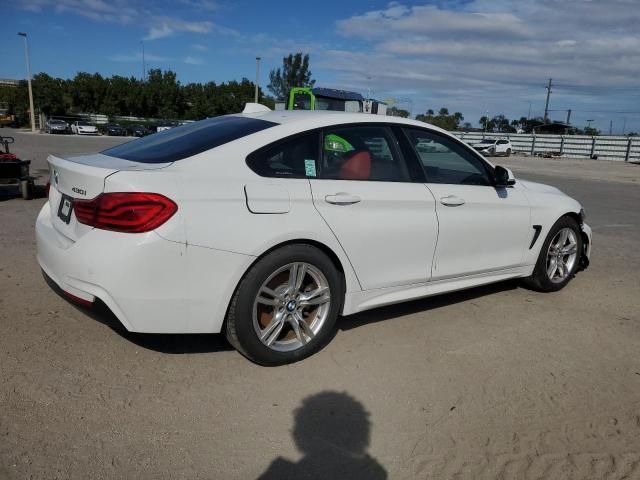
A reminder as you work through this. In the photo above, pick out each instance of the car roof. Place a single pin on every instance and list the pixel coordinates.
(315, 119)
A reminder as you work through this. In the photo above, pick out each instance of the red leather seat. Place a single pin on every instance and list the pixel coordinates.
(357, 167)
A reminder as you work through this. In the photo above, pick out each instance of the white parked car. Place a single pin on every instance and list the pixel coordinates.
(494, 146)
(267, 226)
(81, 127)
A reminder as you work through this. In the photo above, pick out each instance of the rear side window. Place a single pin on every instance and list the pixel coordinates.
(188, 140)
(295, 157)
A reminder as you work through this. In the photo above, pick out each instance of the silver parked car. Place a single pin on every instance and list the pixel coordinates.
(55, 125)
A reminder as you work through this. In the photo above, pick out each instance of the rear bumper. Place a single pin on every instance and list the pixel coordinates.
(151, 284)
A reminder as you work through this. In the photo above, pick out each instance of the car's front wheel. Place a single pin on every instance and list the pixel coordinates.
(508, 152)
(559, 257)
(286, 306)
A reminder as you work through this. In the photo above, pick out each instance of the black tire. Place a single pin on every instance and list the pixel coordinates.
(239, 329)
(539, 280)
(508, 152)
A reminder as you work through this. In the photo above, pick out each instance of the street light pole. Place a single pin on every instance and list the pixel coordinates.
(255, 96)
(26, 58)
(144, 64)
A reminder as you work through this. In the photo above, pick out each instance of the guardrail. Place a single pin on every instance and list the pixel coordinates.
(618, 148)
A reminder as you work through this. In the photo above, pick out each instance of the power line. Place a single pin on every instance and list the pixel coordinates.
(595, 111)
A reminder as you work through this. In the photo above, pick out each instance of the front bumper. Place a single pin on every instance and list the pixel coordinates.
(587, 242)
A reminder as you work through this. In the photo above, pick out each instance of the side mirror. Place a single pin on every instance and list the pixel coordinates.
(503, 177)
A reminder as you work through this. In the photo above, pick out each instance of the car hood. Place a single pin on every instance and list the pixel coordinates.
(540, 187)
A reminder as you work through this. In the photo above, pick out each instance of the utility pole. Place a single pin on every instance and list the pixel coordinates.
(624, 125)
(255, 96)
(144, 65)
(568, 117)
(529, 114)
(610, 127)
(26, 58)
(546, 106)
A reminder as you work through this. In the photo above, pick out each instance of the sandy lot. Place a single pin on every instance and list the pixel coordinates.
(494, 382)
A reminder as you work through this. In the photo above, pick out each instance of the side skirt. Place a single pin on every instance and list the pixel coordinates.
(365, 300)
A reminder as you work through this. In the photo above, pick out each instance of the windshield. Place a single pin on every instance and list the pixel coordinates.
(188, 140)
(488, 142)
(302, 101)
(85, 124)
(56, 122)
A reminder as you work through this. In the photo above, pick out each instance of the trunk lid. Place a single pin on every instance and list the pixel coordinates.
(81, 177)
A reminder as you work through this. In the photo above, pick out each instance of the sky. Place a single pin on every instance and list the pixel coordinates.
(479, 57)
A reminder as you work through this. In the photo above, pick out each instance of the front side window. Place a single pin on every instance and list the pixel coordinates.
(296, 157)
(362, 153)
(446, 161)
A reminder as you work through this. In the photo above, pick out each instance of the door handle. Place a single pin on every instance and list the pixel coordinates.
(342, 199)
(452, 201)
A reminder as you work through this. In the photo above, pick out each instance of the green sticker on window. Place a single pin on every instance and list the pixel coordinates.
(310, 168)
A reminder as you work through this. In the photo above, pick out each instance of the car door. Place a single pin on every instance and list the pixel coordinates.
(482, 228)
(501, 146)
(366, 193)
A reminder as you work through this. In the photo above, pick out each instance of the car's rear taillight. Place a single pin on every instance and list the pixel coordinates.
(126, 212)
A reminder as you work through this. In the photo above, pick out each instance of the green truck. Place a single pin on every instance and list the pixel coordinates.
(302, 98)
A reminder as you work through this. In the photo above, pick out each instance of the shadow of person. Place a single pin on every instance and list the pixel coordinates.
(332, 430)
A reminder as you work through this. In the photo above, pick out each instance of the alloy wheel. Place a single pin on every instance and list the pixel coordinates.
(291, 306)
(562, 255)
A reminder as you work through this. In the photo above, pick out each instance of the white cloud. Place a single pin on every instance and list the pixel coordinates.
(207, 5)
(494, 52)
(199, 47)
(166, 26)
(122, 12)
(193, 60)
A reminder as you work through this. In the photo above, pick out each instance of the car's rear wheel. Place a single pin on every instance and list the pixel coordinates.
(559, 257)
(508, 152)
(286, 306)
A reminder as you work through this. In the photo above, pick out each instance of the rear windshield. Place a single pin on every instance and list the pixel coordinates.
(187, 140)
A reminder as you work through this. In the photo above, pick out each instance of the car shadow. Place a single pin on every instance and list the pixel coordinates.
(188, 343)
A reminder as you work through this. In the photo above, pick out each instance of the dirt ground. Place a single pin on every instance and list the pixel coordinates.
(494, 382)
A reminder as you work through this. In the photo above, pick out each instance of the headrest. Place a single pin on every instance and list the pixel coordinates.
(357, 167)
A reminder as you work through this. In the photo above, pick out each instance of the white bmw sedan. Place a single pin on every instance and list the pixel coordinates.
(268, 226)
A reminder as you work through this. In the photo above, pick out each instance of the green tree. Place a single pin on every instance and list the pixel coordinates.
(87, 92)
(162, 94)
(294, 73)
(443, 119)
(398, 112)
(50, 94)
